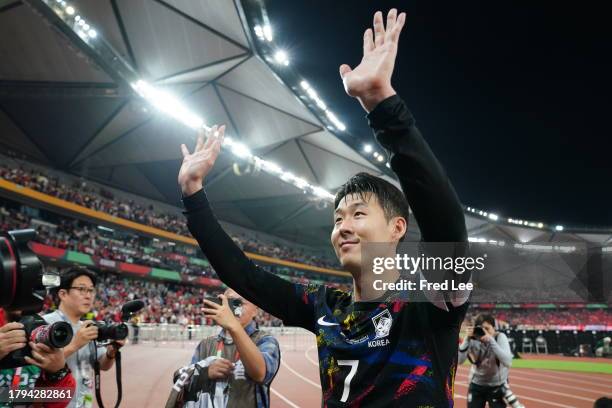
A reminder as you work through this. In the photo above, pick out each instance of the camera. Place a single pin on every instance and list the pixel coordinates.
(478, 332)
(56, 335)
(510, 398)
(109, 332)
(234, 304)
(23, 280)
(23, 286)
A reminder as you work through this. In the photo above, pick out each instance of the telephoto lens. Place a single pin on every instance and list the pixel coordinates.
(55, 335)
(511, 399)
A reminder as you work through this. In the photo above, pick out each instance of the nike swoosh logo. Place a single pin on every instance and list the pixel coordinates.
(322, 322)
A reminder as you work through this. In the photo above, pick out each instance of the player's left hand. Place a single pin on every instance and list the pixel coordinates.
(222, 314)
(370, 81)
(49, 359)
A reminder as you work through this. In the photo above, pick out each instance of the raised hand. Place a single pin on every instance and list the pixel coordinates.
(370, 81)
(198, 164)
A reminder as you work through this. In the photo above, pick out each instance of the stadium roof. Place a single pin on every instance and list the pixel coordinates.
(60, 105)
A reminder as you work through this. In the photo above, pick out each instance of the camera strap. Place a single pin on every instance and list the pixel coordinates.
(96, 365)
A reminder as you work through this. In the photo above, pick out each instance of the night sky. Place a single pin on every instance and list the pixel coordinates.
(514, 97)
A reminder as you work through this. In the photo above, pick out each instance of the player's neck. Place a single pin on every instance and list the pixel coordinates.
(71, 315)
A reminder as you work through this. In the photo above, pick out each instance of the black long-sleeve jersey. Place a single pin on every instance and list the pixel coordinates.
(389, 354)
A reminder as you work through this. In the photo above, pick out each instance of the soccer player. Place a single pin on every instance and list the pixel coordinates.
(371, 354)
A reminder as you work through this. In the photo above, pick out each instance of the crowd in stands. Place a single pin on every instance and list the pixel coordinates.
(76, 235)
(164, 302)
(104, 200)
(520, 318)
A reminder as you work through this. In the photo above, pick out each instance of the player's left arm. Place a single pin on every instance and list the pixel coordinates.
(430, 194)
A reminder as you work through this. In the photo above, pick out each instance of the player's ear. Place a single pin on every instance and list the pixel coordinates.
(399, 227)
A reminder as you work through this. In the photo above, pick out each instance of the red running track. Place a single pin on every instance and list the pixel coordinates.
(148, 370)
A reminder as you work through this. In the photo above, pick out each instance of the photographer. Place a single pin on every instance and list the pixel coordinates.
(491, 358)
(234, 368)
(47, 365)
(76, 295)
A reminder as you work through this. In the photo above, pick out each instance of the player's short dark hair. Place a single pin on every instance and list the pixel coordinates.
(68, 276)
(484, 318)
(391, 198)
(603, 402)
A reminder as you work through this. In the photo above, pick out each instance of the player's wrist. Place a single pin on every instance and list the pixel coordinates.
(370, 98)
(191, 187)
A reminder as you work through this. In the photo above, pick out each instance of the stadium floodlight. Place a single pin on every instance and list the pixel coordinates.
(259, 32)
(287, 176)
(267, 32)
(86, 26)
(321, 192)
(300, 182)
(70, 10)
(388, 165)
(92, 33)
(168, 104)
(493, 217)
(241, 150)
(367, 148)
(305, 85)
(380, 158)
(335, 120)
(540, 225)
(558, 227)
(281, 57)
(268, 166)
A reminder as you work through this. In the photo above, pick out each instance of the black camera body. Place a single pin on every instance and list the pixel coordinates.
(235, 305)
(55, 335)
(109, 332)
(478, 332)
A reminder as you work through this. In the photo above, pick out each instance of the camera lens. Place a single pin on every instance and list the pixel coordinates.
(60, 334)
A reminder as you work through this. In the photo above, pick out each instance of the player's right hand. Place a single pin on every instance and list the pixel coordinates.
(220, 369)
(12, 337)
(87, 333)
(198, 164)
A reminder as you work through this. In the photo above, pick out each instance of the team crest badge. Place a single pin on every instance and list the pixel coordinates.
(382, 324)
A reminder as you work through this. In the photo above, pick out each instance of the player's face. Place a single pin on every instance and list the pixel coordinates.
(358, 220)
(80, 298)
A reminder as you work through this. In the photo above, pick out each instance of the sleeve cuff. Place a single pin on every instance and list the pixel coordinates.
(383, 112)
(195, 201)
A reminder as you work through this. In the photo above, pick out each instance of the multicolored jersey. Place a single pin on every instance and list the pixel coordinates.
(391, 354)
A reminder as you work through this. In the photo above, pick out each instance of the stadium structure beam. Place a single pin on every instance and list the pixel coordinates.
(99, 52)
(289, 217)
(62, 90)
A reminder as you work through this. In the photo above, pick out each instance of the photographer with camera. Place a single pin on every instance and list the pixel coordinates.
(491, 358)
(47, 366)
(76, 294)
(232, 369)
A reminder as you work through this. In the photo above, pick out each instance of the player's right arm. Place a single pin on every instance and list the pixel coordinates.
(293, 303)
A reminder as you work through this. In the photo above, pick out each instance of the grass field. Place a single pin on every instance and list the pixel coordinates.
(563, 365)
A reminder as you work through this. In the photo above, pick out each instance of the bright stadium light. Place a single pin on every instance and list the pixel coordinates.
(281, 57)
(259, 32)
(168, 104)
(367, 148)
(493, 217)
(558, 227)
(241, 150)
(92, 33)
(380, 158)
(267, 32)
(70, 10)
